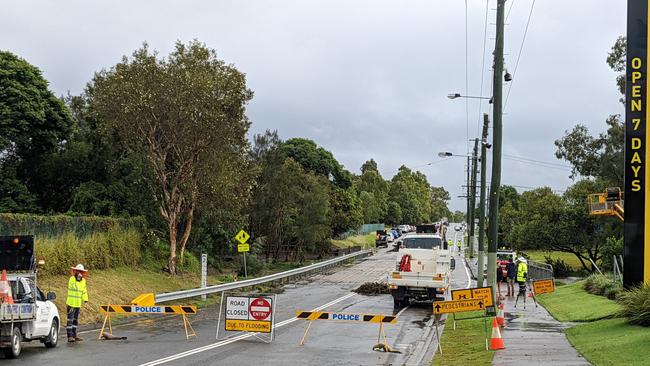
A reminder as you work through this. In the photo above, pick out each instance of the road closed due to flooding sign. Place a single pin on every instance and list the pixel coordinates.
(249, 314)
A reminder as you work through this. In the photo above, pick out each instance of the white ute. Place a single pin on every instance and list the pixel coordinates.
(33, 316)
(422, 271)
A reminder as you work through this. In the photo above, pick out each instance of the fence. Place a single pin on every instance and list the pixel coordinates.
(539, 271)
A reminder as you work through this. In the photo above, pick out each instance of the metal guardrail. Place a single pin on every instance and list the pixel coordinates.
(539, 271)
(184, 294)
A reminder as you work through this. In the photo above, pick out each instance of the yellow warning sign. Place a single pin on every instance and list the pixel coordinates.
(457, 306)
(248, 325)
(242, 237)
(243, 248)
(484, 293)
(543, 286)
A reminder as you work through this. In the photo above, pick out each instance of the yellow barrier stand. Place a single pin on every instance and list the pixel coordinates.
(145, 304)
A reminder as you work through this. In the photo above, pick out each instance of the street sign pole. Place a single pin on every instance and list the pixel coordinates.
(204, 273)
(245, 270)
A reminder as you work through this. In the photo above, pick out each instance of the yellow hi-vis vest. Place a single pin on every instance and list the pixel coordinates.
(522, 272)
(77, 292)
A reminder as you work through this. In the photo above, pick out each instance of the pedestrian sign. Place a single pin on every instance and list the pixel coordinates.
(484, 293)
(242, 237)
(543, 286)
(457, 306)
(242, 248)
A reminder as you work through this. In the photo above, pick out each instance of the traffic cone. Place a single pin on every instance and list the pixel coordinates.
(496, 342)
(500, 318)
(5, 289)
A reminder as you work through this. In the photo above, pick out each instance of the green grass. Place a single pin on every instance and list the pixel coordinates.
(464, 345)
(570, 259)
(611, 342)
(571, 303)
(364, 241)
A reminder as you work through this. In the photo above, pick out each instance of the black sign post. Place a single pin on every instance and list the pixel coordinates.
(637, 252)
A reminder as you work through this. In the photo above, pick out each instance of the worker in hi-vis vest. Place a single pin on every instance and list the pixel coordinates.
(522, 270)
(77, 296)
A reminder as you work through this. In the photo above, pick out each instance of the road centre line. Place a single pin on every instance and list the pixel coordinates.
(237, 338)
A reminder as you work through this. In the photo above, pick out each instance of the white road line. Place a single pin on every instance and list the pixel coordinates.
(469, 278)
(237, 338)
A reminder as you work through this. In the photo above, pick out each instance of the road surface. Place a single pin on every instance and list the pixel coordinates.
(162, 341)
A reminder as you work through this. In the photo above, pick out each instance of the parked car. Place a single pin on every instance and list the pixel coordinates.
(381, 239)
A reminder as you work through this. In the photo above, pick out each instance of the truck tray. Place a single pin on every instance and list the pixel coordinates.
(17, 312)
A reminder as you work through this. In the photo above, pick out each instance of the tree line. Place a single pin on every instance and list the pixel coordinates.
(165, 138)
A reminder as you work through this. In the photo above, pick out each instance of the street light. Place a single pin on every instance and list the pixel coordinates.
(446, 154)
(457, 95)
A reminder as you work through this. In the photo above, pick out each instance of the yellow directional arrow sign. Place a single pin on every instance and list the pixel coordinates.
(457, 306)
(242, 237)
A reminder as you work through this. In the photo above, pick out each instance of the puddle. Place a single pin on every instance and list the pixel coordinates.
(518, 322)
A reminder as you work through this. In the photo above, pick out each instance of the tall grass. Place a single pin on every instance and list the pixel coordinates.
(635, 305)
(602, 285)
(116, 247)
(55, 225)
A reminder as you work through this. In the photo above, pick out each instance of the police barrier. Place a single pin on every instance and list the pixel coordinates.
(145, 304)
(353, 318)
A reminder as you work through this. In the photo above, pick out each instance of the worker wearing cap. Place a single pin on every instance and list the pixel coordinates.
(77, 296)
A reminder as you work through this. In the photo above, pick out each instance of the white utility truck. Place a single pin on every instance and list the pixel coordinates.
(32, 316)
(423, 268)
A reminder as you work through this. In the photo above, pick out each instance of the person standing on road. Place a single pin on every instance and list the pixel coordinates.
(511, 268)
(77, 296)
(522, 271)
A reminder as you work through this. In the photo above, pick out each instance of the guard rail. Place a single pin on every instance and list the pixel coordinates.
(539, 271)
(184, 294)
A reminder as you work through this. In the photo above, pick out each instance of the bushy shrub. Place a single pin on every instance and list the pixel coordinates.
(635, 305)
(602, 285)
(56, 225)
(254, 265)
(560, 268)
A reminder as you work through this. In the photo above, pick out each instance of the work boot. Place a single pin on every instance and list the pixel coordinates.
(71, 340)
(78, 339)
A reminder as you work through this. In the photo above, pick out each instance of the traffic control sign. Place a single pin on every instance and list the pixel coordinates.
(484, 293)
(260, 309)
(457, 306)
(249, 314)
(242, 237)
(242, 248)
(543, 286)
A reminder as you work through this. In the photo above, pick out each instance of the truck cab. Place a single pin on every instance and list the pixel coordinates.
(33, 315)
(423, 268)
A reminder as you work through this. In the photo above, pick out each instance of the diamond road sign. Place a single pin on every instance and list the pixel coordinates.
(242, 237)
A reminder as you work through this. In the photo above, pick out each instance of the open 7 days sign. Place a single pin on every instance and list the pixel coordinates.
(249, 314)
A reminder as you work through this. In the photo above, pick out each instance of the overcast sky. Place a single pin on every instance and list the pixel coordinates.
(364, 79)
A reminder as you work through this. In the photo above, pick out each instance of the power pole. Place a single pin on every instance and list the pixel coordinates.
(481, 218)
(473, 199)
(468, 199)
(497, 97)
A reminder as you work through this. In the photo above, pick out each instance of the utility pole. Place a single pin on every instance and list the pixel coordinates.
(473, 199)
(468, 199)
(497, 98)
(481, 218)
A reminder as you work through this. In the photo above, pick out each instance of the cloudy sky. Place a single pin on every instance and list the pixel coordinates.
(365, 79)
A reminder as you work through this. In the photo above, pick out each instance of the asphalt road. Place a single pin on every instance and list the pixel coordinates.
(162, 341)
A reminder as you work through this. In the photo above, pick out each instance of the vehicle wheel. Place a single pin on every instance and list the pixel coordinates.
(13, 351)
(53, 337)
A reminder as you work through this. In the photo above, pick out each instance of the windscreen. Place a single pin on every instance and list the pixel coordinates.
(504, 256)
(422, 243)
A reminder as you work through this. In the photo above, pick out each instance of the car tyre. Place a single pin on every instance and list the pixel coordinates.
(13, 351)
(53, 338)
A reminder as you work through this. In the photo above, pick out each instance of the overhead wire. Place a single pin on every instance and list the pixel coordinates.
(480, 102)
(510, 9)
(466, 79)
(521, 48)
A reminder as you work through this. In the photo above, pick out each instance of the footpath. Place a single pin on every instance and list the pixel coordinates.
(533, 337)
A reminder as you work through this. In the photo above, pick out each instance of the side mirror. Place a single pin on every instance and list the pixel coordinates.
(452, 265)
(51, 296)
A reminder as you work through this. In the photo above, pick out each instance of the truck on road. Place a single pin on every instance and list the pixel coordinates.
(423, 270)
(29, 315)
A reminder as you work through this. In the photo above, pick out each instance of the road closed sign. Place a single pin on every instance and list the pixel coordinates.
(249, 314)
(543, 286)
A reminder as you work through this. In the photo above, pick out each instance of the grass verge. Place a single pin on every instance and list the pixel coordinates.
(364, 241)
(611, 342)
(570, 259)
(464, 345)
(571, 303)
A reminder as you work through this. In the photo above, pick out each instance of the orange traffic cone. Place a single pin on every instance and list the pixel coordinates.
(5, 289)
(500, 318)
(496, 342)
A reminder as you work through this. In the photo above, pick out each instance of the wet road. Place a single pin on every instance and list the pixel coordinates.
(162, 341)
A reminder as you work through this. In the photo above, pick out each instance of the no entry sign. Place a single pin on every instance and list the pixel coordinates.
(260, 309)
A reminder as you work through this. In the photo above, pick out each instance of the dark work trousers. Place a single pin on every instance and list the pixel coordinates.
(73, 319)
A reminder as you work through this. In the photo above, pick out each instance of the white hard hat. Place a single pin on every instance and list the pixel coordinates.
(79, 267)
(521, 259)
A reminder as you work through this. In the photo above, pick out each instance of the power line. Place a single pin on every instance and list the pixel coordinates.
(510, 9)
(538, 161)
(466, 78)
(430, 163)
(521, 48)
(480, 103)
(541, 164)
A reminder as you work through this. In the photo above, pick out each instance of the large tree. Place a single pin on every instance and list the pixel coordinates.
(186, 115)
(33, 123)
